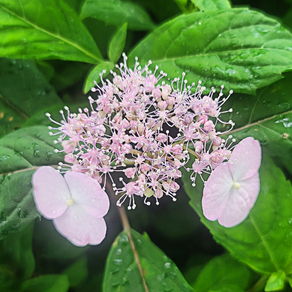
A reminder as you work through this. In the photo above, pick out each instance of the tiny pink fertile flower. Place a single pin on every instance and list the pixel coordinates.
(233, 186)
(75, 202)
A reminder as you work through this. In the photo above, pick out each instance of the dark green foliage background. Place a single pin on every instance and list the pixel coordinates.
(51, 52)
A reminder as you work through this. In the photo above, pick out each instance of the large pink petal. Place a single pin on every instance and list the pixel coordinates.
(87, 193)
(240, 201)
(50, 192)
(252, 186)
(245, 159)
(80, 227)
(216, 192)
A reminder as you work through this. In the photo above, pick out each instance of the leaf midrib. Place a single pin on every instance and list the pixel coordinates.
(265, 243)
(53, 35)
(218, 53)
(259, 122)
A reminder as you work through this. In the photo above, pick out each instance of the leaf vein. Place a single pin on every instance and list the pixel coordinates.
(63, 39)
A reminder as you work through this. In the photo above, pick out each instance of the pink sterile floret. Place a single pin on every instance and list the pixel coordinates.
(233, 186)
(75, 202)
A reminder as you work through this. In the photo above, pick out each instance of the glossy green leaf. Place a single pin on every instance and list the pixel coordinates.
(264, 239)
(94, 75)
(220, 272)
(23, 92)
(117, 43)
(276, 282)
(32, 29)
(21, 153)
(209, 5)
(122, 272)
(275, 134)
(117, 12)
(240, 48)
(46, 283)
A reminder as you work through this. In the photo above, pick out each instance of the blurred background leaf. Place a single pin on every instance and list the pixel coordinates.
(221, 272)
(117, 12)
(209, 5)
(17, 261)
(23, 92)
(46, 283)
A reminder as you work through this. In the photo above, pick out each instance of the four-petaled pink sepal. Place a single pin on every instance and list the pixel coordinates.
(233, 186)
(75, 202)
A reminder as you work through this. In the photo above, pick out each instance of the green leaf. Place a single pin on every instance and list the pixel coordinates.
(275, 134)
(209, 5)
(16, 259)
(276, 282)
(94, 75)
(117, 12)
(32, 29)
(21, 153)
(122, 272)
(117, 43)
(16, 250)
(161, 10)
(220, 272)
(240, 48)
(182, 4)
(23, 92)
(267, 118)
(77, 272)
(229, 288)
(46, 283)
(264, 239)
(68, 74)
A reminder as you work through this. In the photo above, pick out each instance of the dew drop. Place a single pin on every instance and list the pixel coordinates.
(114, 271)
(118, 262)
(36, 153)
(4, 157)
(115, 285)
(167, 265)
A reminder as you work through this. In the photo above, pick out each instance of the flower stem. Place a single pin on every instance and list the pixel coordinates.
(127, 228)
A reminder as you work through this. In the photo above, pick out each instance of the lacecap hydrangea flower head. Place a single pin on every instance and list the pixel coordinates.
(139, 132)
(142, 130)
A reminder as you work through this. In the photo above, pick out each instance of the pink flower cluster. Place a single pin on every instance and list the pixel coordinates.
(140, 131)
